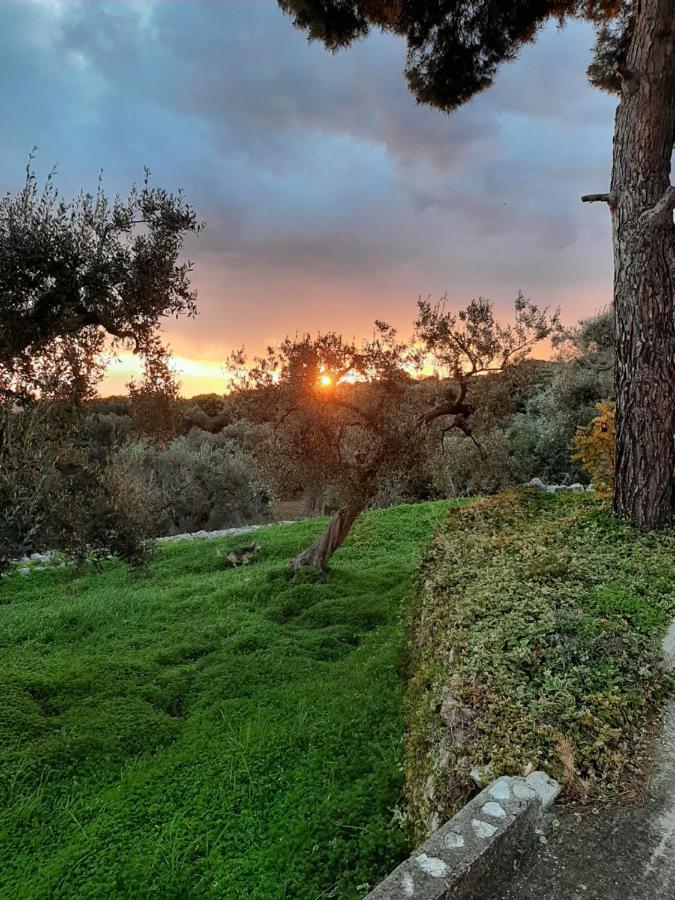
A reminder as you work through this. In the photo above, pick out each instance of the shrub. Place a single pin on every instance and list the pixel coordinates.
(535, 641)
(55, 494)
(106, 511)
(595, 449)
(200, 481)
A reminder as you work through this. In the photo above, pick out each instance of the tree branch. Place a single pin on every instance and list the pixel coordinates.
(451, 408)
(610, 199)
(289, 412)
(464, 428)
(14, 396)
(629, 80)
(366, 419)
(662, 210)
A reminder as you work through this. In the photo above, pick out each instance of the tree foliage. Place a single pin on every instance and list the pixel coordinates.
(352, 415)
(154, 401)
(73, 272)
(454, 49)
(456, 46)
(595, 449)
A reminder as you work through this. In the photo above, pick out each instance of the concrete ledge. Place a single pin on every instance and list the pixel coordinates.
(469, 856)
(669, 648)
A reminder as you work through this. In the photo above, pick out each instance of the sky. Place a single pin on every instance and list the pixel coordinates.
(330, 197)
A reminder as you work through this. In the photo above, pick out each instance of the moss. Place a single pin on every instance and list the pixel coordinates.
(541, 618)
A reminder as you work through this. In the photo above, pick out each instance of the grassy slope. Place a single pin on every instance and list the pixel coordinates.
(550, 651)
(207, 732)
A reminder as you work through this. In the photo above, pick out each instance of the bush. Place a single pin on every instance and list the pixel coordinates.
(595, 449)
(55, 494)
(535, 641)
(200, 481)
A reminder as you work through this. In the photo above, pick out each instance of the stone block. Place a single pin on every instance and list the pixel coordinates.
(472, 854)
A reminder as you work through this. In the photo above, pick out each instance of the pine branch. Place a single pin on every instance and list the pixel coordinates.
(662, 211)
(610, 199)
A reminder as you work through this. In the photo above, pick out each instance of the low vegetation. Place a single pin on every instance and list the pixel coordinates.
(208, 731)
(535, 643)
(79, 483)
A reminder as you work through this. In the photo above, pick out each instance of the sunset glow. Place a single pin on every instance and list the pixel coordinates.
(197, 376)
(346, 207)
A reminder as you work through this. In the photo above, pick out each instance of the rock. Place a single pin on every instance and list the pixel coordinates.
(475, 776)
(537, 483)
(547, 788)
(242, 556)
(552, 489)
(41, 557)
(24, 570)
(590, 488)
(474, 853)
(577, 488)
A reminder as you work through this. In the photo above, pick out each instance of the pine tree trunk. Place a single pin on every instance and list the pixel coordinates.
(321, 550)
(644, 271)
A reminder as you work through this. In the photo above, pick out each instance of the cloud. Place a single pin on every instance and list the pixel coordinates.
(330, 196)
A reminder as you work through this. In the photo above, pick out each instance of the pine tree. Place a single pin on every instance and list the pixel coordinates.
(455, 48)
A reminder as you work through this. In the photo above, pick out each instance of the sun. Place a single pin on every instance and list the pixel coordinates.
(325, 380)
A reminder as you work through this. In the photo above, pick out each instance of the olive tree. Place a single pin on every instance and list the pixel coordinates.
(354, 415)
(454, 50)
(75, 273)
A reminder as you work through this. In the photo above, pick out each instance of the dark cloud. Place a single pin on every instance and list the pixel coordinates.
(330, 196)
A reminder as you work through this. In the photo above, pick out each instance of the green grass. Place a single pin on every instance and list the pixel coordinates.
(542, 617)
(201, 731)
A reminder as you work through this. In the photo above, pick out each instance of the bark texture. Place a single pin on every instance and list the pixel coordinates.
(320, 551)
(642, 201)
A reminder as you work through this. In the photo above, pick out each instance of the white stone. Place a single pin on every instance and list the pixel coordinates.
(483, 829)
(454, 841)
(537, 483)
(24, 570)
(493, 809)
(476, 777)
(547, 788)
(500, 789)
(408, 885)
(522, 792)
(432, 865)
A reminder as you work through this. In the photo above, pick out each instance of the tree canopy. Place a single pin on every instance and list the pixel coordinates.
(454, 50)
(73, 272)
(456, 46)
(352, 415)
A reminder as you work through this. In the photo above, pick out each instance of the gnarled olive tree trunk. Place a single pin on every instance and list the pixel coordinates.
(320, 551)
(642, 201)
